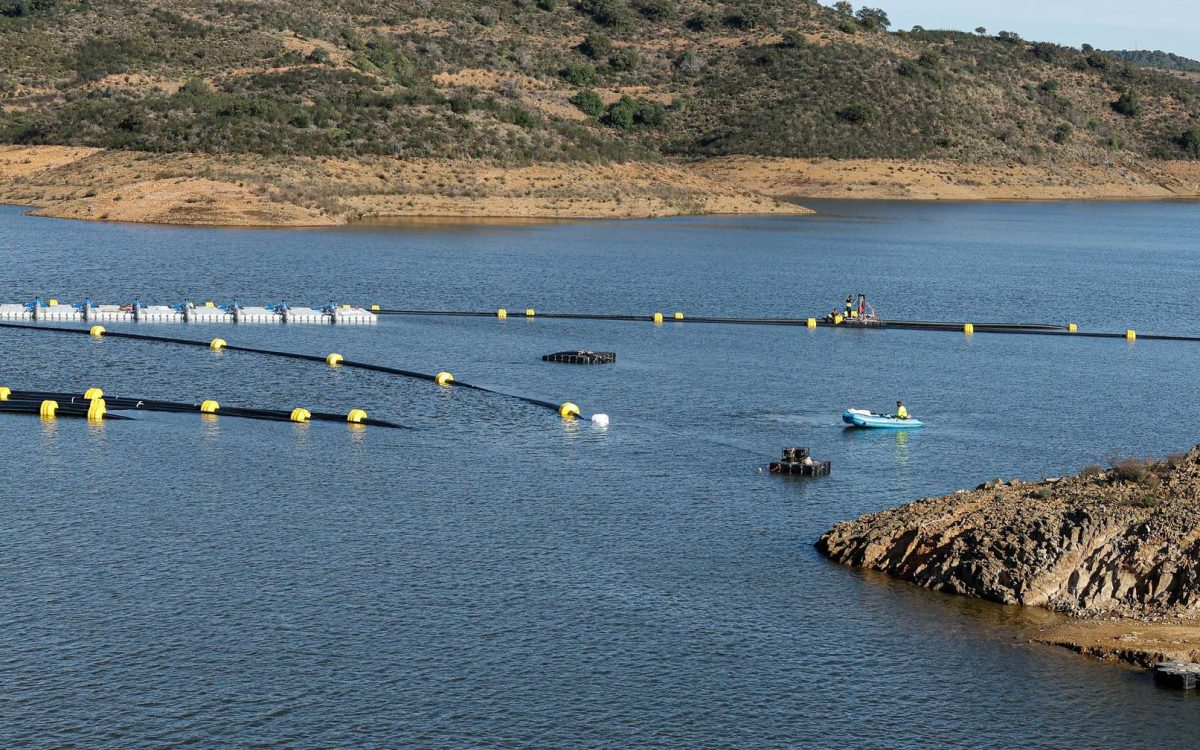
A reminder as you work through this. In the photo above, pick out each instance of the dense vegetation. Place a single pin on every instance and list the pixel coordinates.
(1157, 59)
(511, 79)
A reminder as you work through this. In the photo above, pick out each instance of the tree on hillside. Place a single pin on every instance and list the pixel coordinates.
(843, 8)
(605, 12)
(1127, 104)
(596, 46)
(621, 113)
(873, 18)
(980, 30)
(1190, 141)
(19, 8)
(589, 102)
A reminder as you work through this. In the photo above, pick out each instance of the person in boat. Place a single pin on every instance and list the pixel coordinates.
(901, 411)
(862, 305)
(849, 305)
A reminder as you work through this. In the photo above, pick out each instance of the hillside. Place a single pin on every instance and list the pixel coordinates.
(1157, 59)
(541, 82)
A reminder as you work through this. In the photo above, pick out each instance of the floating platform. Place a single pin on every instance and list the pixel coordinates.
(1181, 675)
(797, 462)
(582, 357)
(185, 312)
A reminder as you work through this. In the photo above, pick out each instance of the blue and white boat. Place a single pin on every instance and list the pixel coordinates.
(868, 419)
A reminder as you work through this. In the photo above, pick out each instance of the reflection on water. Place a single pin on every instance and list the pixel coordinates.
(500, 577)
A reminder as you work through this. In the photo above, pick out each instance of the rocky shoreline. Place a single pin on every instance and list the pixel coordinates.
(1117, 549)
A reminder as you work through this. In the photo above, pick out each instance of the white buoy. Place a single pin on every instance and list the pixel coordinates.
(600, 420)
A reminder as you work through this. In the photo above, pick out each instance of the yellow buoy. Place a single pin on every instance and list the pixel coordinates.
(568, 410)
(443, 378)
(502, 313)
(5, 392)
(48, 409)
(217, 344)
(96, 410)
(300, 415)
(345, 306)
(1072, 328)
(53, 302)
(356, 416)
(968, 328)
(658, 318)
(209, 304)
(209, 406)
(374, 308)
(1130, 335)
(811, 322)
(837, 319)
(530, 312)
(333, 360)
(678, 316)
(96, 331)
(92, 394)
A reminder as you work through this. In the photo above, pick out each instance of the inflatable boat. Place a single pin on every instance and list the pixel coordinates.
(867, 419)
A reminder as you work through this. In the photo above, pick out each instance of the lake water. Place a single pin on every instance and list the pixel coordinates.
(497, 577)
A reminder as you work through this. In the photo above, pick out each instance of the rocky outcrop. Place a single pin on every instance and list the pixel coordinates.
(1120, 542)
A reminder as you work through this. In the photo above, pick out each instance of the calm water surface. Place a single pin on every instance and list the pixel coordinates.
(498, 578)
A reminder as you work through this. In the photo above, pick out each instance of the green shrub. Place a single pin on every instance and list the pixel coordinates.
(855, 114)
(611, 13)
(625, 59)
(21, 8)
(319, 55)
(792, 39)
(743, 19)
(596, 46)
(621, 113)
(929, 59)
(651, 114)
(655, 10)
(195, 87)
(1062, 133)
(589, 102)
(1127, 104)
(521, 117)
(1190, 142)
(579, 74)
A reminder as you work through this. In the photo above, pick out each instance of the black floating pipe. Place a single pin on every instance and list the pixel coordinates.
(292, 355)
(63, 410)
(1031, 329)
(917, 324)
(118, 403)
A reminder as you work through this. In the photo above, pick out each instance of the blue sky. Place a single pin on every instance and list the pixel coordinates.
(1169, 25)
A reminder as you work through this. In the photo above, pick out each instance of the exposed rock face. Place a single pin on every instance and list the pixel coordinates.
(1124, 542)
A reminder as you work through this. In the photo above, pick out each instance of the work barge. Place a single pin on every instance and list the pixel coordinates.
(185, 312)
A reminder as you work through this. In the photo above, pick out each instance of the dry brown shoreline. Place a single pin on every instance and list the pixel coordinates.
(251, 190)
(933, 180)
